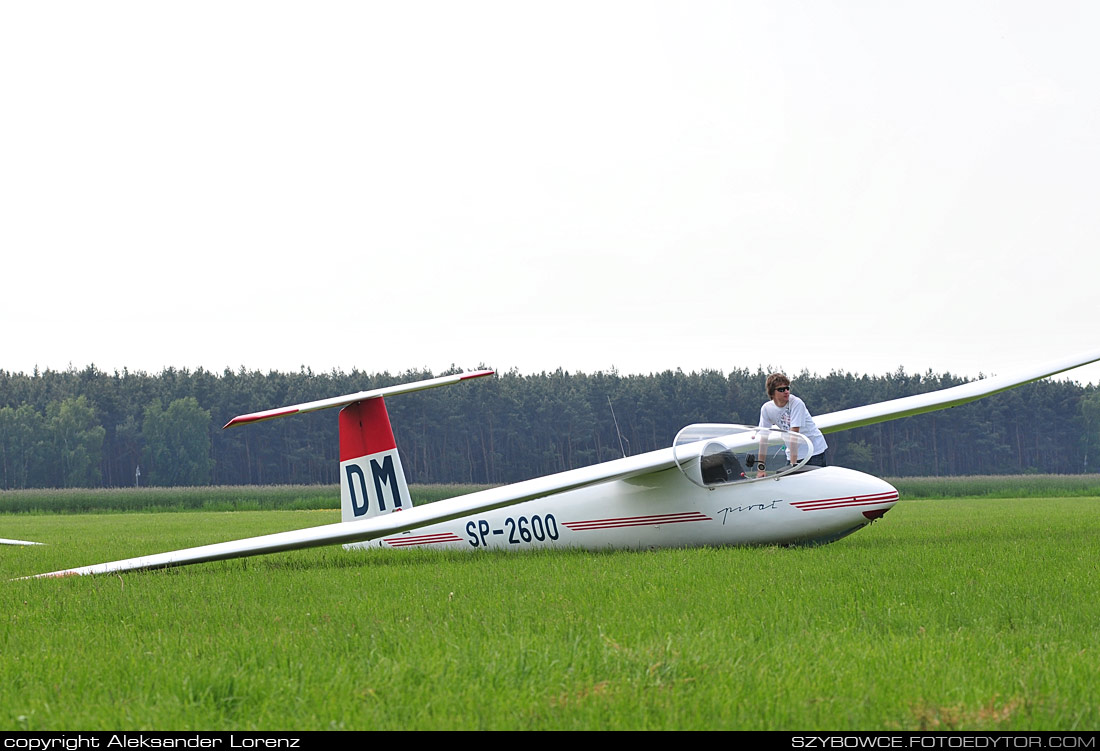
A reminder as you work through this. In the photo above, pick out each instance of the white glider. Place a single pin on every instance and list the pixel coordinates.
(693, 493)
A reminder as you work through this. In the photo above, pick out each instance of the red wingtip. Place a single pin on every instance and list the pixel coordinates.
(257, 416)
(477, 374)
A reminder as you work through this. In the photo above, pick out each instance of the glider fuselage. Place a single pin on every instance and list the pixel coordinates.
(663, 509)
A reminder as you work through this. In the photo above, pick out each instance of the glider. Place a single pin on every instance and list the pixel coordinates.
(696, 492)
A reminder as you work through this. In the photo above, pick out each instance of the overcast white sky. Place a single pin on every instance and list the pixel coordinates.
(848, 186)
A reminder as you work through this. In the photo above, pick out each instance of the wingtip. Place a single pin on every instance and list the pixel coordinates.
(258, 416)
(476, 374)
(50, 575)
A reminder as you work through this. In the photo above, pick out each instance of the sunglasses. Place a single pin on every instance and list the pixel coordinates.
(784, 389)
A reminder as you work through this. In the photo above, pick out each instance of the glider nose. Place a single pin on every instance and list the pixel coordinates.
(882, 497)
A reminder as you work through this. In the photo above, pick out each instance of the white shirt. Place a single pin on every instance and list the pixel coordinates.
(794, 415)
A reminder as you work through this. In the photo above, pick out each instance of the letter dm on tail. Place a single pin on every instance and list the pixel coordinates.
(373, 481)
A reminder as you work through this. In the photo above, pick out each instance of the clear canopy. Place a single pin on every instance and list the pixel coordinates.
(712, 454)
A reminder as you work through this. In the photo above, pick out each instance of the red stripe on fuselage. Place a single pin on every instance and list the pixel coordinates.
(365, 429)
(636, 521)
(857, 500)
(402, 542)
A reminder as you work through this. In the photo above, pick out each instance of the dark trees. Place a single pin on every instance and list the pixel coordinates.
(92, 428)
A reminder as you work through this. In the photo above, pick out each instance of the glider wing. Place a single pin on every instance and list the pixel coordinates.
(340, 401)
(951, 397)
(369, 529)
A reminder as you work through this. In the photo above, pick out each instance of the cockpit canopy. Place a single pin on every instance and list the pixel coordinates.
(713, 454)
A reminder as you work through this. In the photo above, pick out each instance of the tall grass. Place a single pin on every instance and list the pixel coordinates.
(961, 614)
(998, 486)
(213, 498)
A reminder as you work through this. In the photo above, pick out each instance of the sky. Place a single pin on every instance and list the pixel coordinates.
(644, 186)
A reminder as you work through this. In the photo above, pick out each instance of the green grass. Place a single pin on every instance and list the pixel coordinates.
(213, 498)
(947, 614)
(998, 486)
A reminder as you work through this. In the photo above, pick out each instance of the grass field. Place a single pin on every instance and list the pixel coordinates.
(214, 498)
(947, 614)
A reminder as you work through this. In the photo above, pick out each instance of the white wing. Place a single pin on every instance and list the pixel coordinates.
(340, 401)
(952, 397)
(393, 523)
(486, 500)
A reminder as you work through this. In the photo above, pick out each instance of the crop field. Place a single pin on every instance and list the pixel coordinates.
(948, 614)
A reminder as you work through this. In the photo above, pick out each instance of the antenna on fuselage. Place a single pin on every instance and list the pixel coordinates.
(617, 431)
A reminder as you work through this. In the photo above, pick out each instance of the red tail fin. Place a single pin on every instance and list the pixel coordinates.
(365, 429)
(372, 481)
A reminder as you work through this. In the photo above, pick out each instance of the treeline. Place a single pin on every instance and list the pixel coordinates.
(86, 428)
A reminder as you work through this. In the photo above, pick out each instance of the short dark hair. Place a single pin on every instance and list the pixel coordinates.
(775, 380)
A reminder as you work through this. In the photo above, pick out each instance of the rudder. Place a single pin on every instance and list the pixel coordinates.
(372, 480)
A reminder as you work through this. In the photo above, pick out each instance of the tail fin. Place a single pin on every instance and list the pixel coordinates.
(372, 481)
